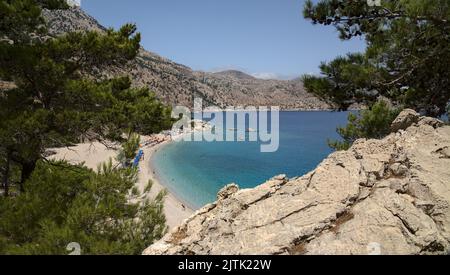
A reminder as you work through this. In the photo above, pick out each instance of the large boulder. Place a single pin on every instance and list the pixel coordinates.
(389, 196)
(406, 118)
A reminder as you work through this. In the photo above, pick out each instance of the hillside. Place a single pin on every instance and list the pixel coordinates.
(177, 84)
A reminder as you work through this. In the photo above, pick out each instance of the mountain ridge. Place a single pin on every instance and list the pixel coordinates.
(176, 84)
(234, 74)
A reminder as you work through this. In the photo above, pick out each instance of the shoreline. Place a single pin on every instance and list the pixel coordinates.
(173, 206)
(157, 179)
(92, 154)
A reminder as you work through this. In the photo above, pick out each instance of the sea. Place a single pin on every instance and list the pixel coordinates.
(194, 171)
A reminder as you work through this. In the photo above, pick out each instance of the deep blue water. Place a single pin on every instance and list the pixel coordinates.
(196, 171)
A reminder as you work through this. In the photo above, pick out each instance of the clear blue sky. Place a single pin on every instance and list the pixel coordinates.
(264, 37)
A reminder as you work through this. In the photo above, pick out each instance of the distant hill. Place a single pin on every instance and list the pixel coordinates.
(176, 84)
(234, 75)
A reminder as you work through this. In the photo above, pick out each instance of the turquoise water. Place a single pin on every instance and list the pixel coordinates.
(196, 171)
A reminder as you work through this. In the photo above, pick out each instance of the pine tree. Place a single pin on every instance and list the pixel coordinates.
(406, 58)
(66, 203)
(58, 98)
(406, 61)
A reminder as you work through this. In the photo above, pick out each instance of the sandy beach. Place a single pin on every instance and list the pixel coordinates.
(176, 212)
(95, 153)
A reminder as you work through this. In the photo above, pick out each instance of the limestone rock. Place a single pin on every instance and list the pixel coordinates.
(389, 196)
(227, 191)
(433, 122)
(406, 118)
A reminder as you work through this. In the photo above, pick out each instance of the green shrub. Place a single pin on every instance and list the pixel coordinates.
(372, 123)
(129, 149)
(67, 203)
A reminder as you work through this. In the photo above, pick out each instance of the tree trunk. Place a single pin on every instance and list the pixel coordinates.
(27, 170)
(6, 175)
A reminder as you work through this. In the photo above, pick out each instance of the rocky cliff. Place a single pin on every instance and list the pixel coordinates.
(389, 196)
(177, 84)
